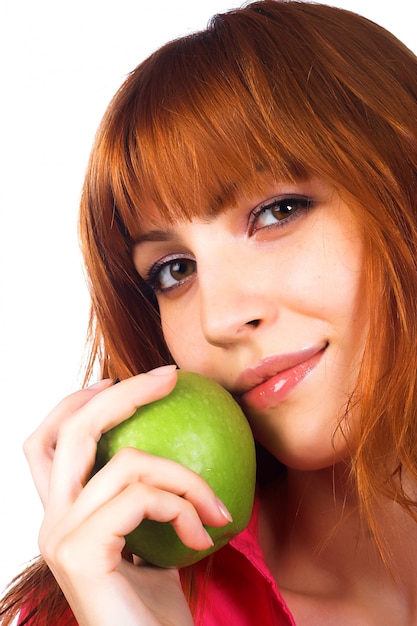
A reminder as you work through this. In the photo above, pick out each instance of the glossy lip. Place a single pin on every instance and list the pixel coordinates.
(270, 381)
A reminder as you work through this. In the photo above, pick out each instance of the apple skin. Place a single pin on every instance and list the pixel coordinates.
(200, 425)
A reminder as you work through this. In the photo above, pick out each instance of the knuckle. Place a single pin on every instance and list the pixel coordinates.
(137, 462)
(28, 446)
(33, 445)
(63, 554)
(46, 543)
(187, 508)
(58, 551)
(126, 455)
(55, 423)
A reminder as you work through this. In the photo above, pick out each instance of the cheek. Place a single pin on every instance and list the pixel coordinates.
(334, 282)
(182, 336)
(173, 335)
(309, 431)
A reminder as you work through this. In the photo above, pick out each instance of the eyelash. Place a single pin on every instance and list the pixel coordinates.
(302, 204)
(154, 273)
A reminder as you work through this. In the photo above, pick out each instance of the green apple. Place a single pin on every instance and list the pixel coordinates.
(200, 425)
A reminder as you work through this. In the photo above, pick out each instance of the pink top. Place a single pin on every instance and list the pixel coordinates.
(240, 590)
(237, 590)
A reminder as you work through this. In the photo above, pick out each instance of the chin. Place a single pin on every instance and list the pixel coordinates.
(309, 458)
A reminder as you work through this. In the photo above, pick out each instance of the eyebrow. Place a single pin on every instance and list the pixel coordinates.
(155, 235)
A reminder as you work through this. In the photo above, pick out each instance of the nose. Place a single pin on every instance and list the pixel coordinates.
(233, 305)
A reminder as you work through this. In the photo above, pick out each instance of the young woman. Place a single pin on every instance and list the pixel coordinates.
(249, 213)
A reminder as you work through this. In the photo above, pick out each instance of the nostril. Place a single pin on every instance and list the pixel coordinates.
(254, 323)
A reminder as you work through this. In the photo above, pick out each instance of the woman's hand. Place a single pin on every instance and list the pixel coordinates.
(82, 535)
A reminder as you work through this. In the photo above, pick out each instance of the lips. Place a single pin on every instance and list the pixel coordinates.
(269, 383)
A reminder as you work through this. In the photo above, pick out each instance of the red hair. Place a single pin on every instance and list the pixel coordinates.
(293, 89)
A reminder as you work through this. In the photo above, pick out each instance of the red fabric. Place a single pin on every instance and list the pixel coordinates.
(240, 589)
(66, 619)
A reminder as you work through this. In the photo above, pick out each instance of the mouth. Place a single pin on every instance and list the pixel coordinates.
(270, 381)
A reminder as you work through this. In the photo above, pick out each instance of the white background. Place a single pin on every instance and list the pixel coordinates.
(60, 64)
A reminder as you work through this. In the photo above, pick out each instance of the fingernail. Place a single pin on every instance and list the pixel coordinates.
(164, 370)
(223, 510)
(101, 383)
(209, 538)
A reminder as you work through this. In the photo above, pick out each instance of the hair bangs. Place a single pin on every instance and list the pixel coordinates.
(199, 125)
(199, 120)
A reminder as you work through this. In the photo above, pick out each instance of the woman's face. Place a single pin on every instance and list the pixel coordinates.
(268, 298)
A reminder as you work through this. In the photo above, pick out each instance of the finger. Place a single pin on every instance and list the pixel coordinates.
(98, 542)
(39, 447)
(130, 466)
(161, 506)
(77, 440)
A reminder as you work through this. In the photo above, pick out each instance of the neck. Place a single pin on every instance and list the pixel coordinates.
(312, 526)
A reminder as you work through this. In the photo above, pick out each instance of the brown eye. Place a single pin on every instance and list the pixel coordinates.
(181, 269)
(175, 272)
(279, 211)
